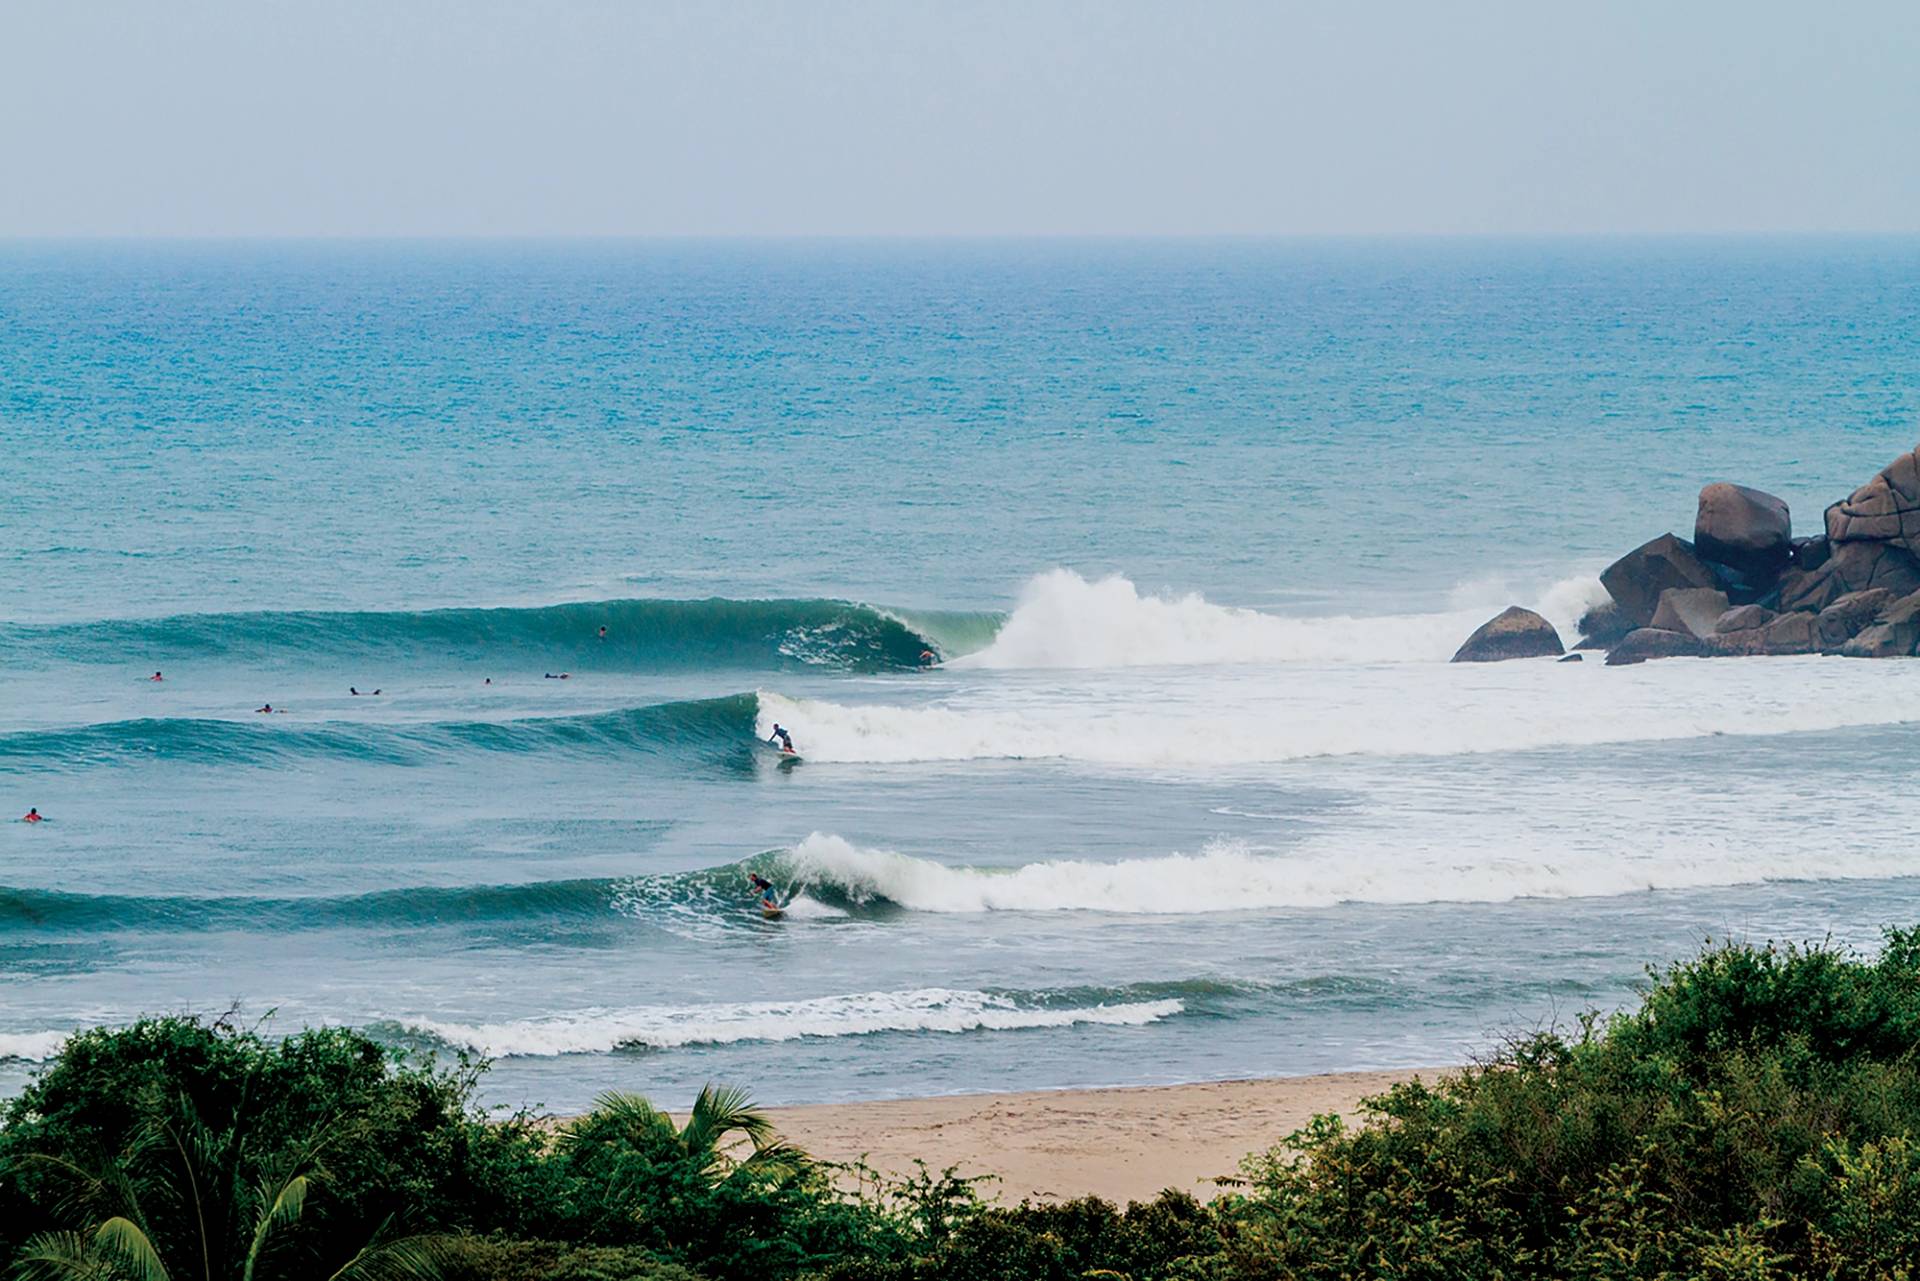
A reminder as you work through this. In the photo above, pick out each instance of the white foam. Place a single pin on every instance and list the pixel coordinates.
(1063, 620)
(598, 1031)
(1463, 854)
(32, 1047)
(1212, 718)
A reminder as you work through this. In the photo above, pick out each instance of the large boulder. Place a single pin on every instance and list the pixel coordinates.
(1747, 529)
(1786, 634)
(1743, 618)
(1603, 625)
(1884, 510)
(1694, 610)
(1636, 580)
(1648, 642)
(1512, 633)
(1853, 567)
(1851, 614)
(1896, 635)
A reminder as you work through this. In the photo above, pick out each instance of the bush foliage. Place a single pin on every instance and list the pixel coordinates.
(1755, 1117)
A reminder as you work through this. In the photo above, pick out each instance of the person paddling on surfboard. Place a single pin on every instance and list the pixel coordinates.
(780, 738)
(769, 899)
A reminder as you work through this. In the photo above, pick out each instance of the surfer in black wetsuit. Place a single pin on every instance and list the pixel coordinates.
(768, 898)
(780, 738)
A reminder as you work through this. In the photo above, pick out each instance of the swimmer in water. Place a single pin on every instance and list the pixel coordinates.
(561, 676)
(154, 677)
(603, 631)
(373, 693)
(33, 816)
(269, 707)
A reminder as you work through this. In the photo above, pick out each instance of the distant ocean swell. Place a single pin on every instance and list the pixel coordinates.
(641, 635)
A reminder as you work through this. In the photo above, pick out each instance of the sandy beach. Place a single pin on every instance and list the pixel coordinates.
(1122, 1144)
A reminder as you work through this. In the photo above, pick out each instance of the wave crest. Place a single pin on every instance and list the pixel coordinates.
(598, 1031)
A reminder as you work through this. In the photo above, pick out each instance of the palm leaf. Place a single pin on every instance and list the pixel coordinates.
(630, 1112)
(420, 1258)
(717, 1112)
(278, 1207)
(60, 1256)
(122, 1243)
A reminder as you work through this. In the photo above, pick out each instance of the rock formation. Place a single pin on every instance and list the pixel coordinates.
(1643, 643)
(1884, 510)
(1636, 580)
(1513, 633)
(1744, 529)
(1693, 610)
(1746, 586)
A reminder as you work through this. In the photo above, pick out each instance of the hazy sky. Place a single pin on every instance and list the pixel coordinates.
(475, 118)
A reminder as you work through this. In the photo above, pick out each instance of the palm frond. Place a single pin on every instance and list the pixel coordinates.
(278, 1207)
(421, 1258)
(777, 1159)
(631, 1112)
(121, 1241)
(60, 1256)
(718, 1111)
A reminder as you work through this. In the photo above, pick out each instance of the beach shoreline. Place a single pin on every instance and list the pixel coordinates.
(1122, 1143)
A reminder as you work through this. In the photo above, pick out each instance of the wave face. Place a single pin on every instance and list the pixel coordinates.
(1066, 621)
(51, 911)
(715, 726)
(641, 635)
(598, 1031)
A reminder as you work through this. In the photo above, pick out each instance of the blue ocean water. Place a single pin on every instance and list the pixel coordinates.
(1191, 526)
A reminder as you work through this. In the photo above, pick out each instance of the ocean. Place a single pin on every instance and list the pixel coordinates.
(1192, 528)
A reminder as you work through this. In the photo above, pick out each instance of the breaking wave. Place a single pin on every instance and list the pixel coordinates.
(641, 635)
(1066, 621)
(660, 1027)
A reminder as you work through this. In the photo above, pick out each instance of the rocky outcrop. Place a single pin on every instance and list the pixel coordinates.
(1745, 529)
(1744, 618)
(1636, 580)
(1693, 610)
(1895, 635)
(1786, 634)
(1853, 567)
(1884, 510)
(1644, 643)
(1512, 633)
(1746, 586)
(1852, 614)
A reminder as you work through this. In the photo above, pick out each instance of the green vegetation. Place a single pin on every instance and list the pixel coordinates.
(1755, 1117)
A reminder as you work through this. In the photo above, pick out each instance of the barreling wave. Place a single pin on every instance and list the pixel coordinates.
(641, 635)
(664, 1027)
(711, 727)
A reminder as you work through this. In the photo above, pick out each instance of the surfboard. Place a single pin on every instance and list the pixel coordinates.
(772, 913)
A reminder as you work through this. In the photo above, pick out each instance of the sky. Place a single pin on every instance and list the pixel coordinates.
(1349, 117)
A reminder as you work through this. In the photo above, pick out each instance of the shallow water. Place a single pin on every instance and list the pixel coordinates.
(1193, 527)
